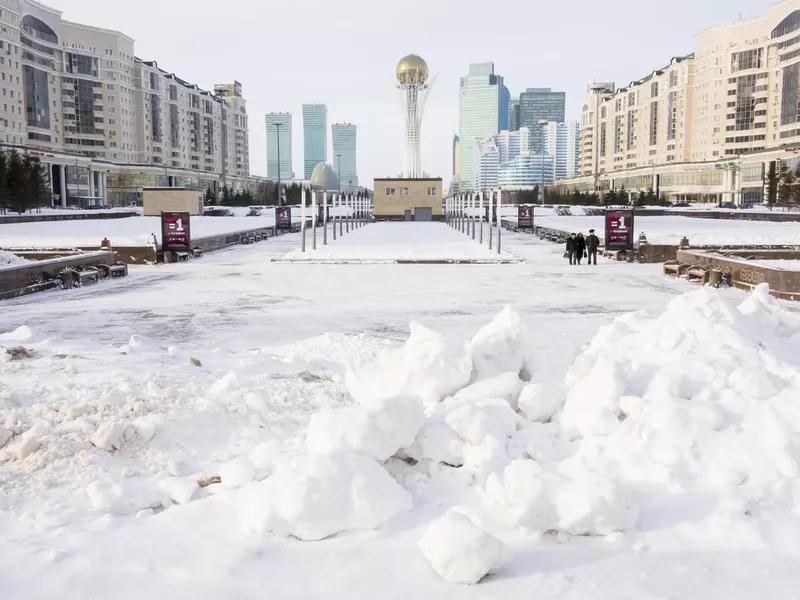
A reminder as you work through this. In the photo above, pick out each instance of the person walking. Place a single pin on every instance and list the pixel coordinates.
(580, 248)
(570, 253)
(592, 244)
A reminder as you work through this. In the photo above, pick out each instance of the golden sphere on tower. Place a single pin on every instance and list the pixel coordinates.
(412, 69)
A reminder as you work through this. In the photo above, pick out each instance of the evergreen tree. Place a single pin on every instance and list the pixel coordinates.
(15, 182)
(536, 194)
(640, 201)
(610, 198)
(4, 198)
(787, 181)
(34, 187)
(772, 184)
(209, 197)
(650, 198)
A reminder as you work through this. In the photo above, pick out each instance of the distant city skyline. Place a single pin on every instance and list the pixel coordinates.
(360, 90)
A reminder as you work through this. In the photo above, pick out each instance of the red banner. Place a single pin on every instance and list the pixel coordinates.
(283, 217)
(175, 234)
(619, 230)
(525, 217)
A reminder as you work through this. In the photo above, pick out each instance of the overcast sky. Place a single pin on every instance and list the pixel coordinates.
(343, 53)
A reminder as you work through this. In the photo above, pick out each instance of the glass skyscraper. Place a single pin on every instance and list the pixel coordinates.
(540, 104)
(480, 112)
(279, 125)
(344, 154)
(315, 137)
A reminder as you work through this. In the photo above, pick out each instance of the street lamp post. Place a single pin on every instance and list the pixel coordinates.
(278, 136)
(543, 123)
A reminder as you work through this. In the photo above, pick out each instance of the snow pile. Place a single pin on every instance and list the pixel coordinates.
(312, 497)
(9, 259)
(427, 366)
(460, 551)
(377, 429)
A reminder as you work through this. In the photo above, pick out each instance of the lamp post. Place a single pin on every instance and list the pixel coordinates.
(278, 137)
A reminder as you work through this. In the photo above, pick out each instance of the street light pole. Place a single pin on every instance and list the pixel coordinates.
(278, 136)
(543, 123)
(339, 170)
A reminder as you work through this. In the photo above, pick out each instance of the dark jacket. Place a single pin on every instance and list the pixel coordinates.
(592, 242)
(580, 245)
(571, 244)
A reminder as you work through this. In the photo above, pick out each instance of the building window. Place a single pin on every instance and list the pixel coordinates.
(431, 191)
(390, 191)
(404, 191)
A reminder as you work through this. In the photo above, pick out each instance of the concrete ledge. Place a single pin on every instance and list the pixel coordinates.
(29, 278)
(742, 273)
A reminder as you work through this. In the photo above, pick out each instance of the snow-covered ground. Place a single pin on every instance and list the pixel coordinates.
(65, 211)
(121, 232)
(387, 241)
(603, 437)
(701, 232)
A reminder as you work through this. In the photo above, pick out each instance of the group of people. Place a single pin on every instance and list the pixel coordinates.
(579, 247)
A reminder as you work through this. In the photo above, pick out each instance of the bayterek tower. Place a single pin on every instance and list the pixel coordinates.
(414, 87)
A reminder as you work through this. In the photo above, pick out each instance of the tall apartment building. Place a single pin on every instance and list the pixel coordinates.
(480, 111)
(705, 126)
(344, 154)
(486, 163)
(562, 142)
(279, 145)
(104, 122)
(540, 104)
(315, 137)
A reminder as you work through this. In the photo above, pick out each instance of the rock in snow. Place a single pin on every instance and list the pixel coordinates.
(316, 496)
(460, 551)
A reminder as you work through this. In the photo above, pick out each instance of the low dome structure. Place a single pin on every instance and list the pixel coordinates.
(324, 178)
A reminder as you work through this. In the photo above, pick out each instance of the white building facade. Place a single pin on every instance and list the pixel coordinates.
(562, 142)
(505, 160)
(104, 122)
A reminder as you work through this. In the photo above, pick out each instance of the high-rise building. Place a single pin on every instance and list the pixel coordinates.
(505, 108)
(513, 114)
(106, 124)
(505, 160)
(540, 104)
(456, 144)
(344, 155)
(480, 98)
(279, 145)
(315, 137)
(562, 142)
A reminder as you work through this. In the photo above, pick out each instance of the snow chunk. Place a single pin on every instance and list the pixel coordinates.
(180, 489)
(265, 455)
(20, 334)
(594, 505)
(460, 551)
(5, 436)
(520, 496)
(592, 404)
(378, 430)
(29, 442)
(113, 397)
(226, 384)
(315, 496)
(127, 497)
(541, 401)
(237, 472)
(506, 386)
(499, 346)
(426, 366)
(109, 436)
